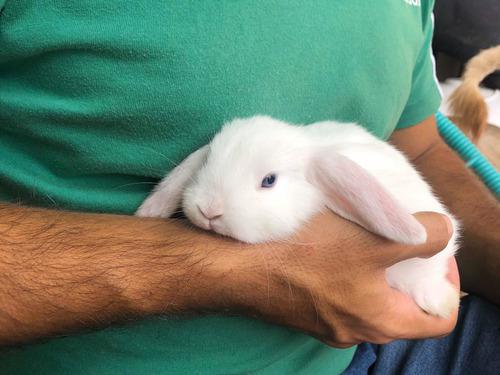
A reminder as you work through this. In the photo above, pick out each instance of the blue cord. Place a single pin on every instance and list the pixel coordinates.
(469, 153)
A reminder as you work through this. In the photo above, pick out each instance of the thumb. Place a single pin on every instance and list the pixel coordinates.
(439, 230)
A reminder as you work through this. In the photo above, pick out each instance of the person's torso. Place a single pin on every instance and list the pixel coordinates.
(98, 100)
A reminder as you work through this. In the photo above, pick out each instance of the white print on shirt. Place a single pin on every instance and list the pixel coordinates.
(415, 3)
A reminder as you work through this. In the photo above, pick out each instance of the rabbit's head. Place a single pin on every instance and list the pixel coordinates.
(252, 185)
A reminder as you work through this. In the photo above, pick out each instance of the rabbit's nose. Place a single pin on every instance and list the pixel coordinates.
(211, 212)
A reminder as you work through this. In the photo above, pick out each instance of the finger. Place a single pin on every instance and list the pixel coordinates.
(453, 277)
(439, 231)
(411, 322)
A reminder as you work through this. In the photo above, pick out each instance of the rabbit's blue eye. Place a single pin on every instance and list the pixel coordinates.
(269, 180)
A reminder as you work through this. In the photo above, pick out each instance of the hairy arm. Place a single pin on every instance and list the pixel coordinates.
(467, 198)
(61, 272)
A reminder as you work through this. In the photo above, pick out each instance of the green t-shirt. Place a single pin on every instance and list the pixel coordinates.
(97, 98)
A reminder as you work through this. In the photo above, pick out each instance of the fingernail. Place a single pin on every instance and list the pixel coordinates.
(449, 226)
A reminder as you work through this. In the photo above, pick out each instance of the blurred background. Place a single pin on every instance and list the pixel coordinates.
(462, 29)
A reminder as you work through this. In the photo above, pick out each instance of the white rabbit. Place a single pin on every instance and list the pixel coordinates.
(260, 179)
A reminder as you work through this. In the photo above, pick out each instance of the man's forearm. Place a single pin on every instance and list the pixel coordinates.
(63, 271)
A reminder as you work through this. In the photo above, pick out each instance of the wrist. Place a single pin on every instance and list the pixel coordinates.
(198, 273)
(228, 278)
(244, 279)
(265, 281)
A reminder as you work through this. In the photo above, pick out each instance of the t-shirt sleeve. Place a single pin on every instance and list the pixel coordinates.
(425, 95)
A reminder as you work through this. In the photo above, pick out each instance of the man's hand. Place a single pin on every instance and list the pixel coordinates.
(63, 271)
(330, 282)
(467, 198)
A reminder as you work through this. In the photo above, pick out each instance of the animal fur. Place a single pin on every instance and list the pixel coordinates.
(467, 105)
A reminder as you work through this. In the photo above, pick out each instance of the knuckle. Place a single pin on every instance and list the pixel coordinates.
(391, 331)
(347, 338)
(338, 339)
(447, 329)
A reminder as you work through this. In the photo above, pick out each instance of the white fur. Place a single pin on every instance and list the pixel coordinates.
(165, 198)
(340, 166)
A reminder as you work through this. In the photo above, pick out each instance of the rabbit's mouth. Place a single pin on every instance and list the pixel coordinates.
(213, 225)
(204, 224)
(216, 226)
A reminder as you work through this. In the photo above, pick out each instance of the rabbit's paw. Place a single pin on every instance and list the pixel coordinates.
(436, 296)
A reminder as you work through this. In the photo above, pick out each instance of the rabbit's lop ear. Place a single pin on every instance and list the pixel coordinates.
(354, 194)
(167, 195)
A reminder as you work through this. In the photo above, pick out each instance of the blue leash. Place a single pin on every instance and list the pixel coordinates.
(469, 153)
